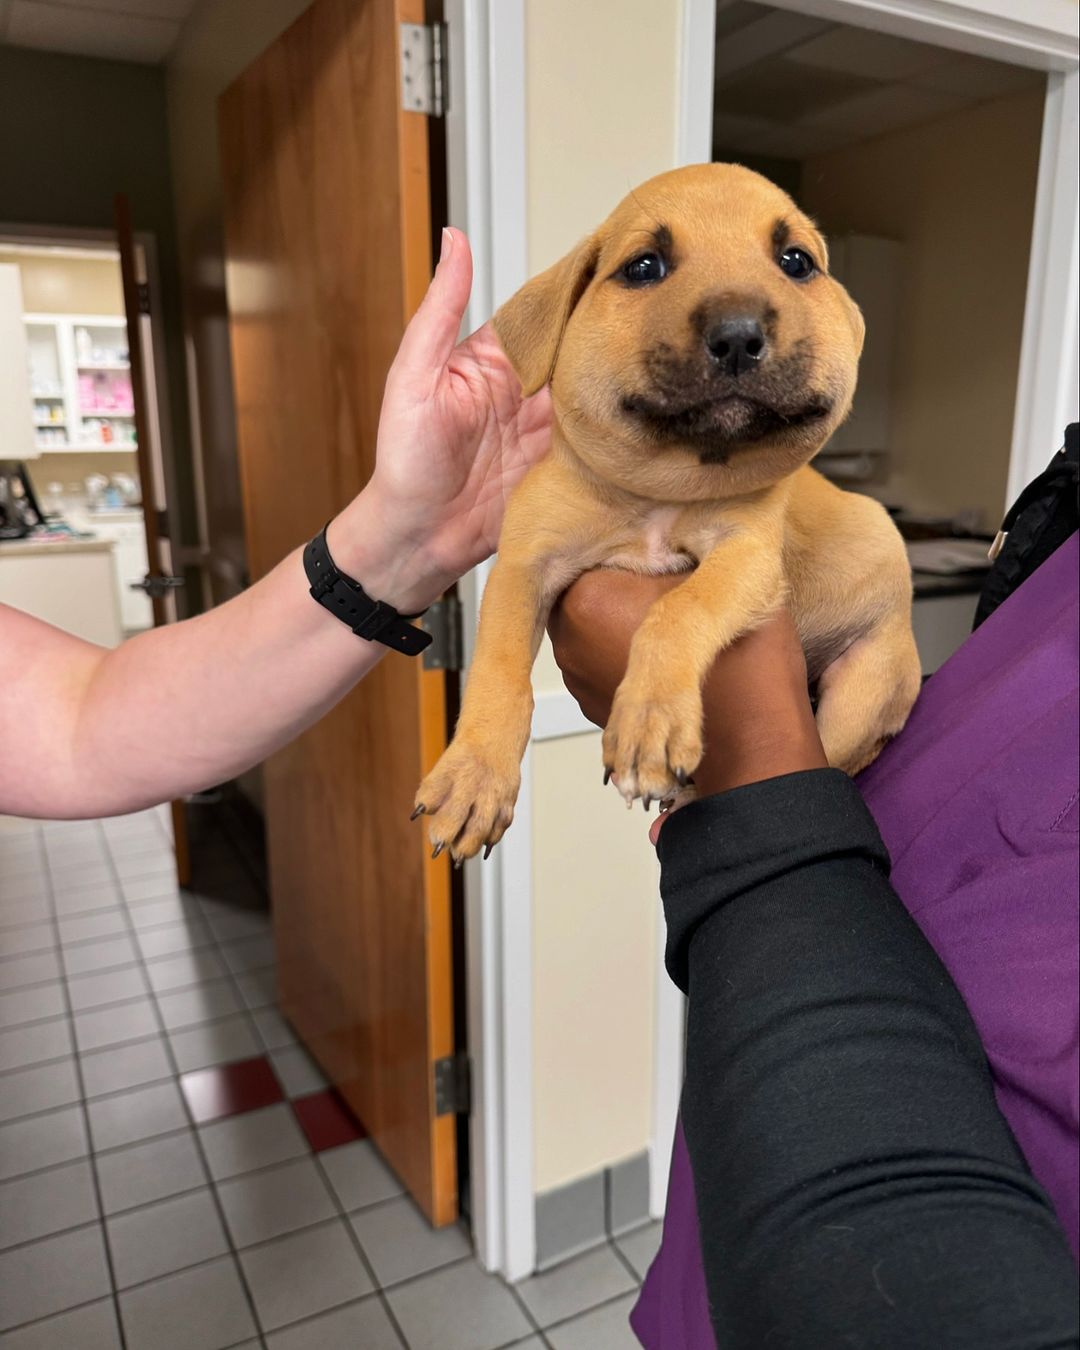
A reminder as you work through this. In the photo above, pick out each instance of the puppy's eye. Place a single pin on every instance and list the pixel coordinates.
(644, 268)
(797, 263)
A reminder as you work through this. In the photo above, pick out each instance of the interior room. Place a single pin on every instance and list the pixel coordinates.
(880, 138)
(69, 334)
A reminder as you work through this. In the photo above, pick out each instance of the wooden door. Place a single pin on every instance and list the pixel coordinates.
(159, 578)
(328, 253)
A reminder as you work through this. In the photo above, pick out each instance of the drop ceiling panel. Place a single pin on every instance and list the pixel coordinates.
(784, 91)
(878, 56)
(887, 108)
(150, 9)
(120, 30)
(773, 33)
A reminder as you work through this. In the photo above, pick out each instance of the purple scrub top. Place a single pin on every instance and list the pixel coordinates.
(977, 802)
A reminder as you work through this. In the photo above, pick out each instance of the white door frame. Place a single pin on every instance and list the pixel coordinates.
(485, 133)
(486, 143)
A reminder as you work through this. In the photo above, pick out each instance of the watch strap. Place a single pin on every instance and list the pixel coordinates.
(347, 600)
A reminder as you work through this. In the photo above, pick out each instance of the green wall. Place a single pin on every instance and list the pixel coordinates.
(74, 131)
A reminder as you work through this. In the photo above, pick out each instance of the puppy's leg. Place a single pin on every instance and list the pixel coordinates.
(865, 696)
(469, 795)
(652, 741)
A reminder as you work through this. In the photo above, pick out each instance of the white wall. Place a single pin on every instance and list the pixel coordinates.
(602, 92)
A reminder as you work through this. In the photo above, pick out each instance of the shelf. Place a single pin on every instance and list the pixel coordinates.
(52, 422)
(103, 416)
(102, 365)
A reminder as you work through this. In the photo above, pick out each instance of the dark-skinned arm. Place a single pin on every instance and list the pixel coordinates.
(856, 1184)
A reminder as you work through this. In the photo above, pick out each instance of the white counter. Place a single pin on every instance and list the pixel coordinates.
(70, 583)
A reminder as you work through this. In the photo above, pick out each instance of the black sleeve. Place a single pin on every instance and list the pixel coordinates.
(856, 1185)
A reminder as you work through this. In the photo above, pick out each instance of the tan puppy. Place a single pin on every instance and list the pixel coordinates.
(699, 356)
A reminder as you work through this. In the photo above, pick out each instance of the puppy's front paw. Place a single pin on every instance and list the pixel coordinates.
(469, 800)
(652, 742)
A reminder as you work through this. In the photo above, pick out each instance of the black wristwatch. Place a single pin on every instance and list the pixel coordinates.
(347, 600)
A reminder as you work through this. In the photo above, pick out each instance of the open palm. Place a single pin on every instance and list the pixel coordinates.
(455, 435)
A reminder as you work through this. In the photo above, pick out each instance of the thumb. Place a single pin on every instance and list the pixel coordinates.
(433, 330)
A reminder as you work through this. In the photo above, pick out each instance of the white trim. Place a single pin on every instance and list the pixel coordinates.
(555, 714)
(693, 129)
(485, 133)
(1039, 33)
(1046, 390)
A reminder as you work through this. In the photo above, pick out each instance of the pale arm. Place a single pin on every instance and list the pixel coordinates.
(87, 732)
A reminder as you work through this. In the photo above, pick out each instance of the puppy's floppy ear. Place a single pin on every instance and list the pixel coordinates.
(530, 325)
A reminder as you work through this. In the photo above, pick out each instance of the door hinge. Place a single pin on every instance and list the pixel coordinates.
(453, 1086)
(423, 68)
(143, 291)
(443, 622)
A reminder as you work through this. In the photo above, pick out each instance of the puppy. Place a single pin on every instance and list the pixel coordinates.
(699, 356)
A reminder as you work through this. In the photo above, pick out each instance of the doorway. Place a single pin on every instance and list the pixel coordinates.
(883, 140)
(81, 458)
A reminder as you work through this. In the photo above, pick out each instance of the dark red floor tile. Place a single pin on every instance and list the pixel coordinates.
(230, 1089)
(326, 1120)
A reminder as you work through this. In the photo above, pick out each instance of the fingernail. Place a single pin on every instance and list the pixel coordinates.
(447, 244)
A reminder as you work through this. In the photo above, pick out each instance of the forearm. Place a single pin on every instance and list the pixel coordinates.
(855, 1181)
(180, 708)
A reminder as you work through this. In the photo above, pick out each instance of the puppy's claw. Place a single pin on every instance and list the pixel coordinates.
(607, 776)
(681, 777)
(487, 851)
(418, 811)
(436, 851)
(646, 802)
(458, 864)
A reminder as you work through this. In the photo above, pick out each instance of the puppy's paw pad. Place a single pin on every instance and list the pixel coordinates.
(653, 744)
(468, 801)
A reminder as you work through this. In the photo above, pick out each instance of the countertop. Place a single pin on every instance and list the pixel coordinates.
(16, 548)
(934, 586)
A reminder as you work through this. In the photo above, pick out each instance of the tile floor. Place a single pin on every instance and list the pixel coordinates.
(176, 1174)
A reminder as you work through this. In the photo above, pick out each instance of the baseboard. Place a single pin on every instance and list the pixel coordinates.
(572, 1218)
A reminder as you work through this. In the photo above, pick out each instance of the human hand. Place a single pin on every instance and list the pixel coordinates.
(758, 719)
(455, 438)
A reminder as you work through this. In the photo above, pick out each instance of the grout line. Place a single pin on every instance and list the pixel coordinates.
(621, 1256)
(81, 1084)
(343, 1214)
(171, 1057)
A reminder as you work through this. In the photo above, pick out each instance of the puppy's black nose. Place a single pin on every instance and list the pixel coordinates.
(737, 344)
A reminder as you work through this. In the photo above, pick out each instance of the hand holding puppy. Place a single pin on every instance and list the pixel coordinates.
(758, 719)
(455, 438)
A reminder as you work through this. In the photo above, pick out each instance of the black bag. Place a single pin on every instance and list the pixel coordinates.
(1045, 514)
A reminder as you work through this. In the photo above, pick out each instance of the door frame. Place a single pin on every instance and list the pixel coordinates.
(486, 159)
(486, 187)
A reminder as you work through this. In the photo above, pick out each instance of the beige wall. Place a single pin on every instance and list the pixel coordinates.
(960, 194)
(55, 284)
(601, 102)
(218, 40)
(595, 887)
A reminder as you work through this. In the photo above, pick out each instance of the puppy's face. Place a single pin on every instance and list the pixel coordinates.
(695, 344)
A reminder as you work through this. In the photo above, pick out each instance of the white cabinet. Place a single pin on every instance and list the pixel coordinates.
(128, 535)
(16, 422)
(70, 584)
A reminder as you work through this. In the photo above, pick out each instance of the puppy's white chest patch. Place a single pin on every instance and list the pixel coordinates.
(653, 551)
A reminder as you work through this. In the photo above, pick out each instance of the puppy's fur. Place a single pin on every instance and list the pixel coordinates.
(674, 449)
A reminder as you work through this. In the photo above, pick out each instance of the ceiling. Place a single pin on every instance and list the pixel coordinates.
(123, 30)
(791, 86)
